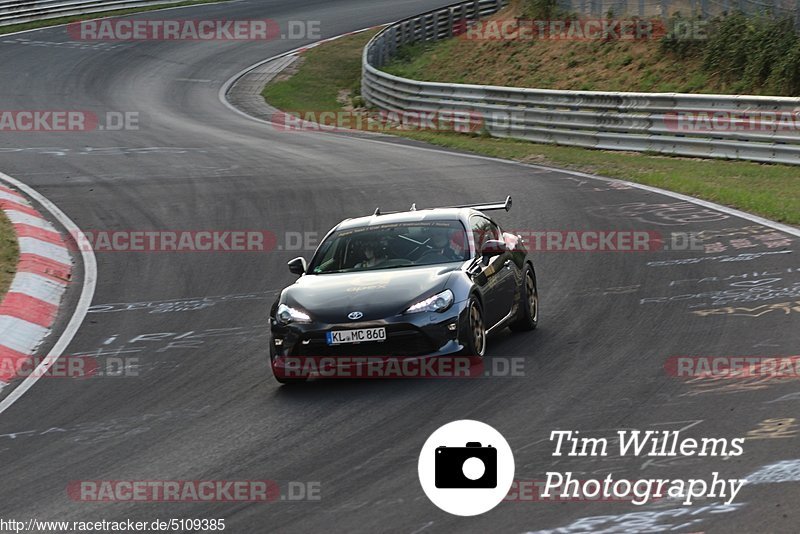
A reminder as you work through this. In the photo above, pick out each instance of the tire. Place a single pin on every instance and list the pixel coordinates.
(528, 313)
(475, 335)
(283, 379)
(287, 381)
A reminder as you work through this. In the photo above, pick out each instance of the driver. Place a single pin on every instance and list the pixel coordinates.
(441, 244)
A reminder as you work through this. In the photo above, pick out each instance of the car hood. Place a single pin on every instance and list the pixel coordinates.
(377, 294)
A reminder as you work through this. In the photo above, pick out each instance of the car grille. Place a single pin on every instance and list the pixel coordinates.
(407, 342)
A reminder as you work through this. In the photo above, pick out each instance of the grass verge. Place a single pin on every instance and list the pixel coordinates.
(326, 72)
(74, 18)
(773, 191)
(9, 253)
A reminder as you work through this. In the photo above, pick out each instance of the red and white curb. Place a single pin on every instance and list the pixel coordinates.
(28, 310)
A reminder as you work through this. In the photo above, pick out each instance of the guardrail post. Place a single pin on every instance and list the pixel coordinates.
(384, 54)
(449, 23)
(392, 41)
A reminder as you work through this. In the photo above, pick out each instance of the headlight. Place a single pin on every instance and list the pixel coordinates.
(286, 315)
(437, 303)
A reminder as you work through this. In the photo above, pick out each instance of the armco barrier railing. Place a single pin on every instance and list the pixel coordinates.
(20, 11)
(753, 128)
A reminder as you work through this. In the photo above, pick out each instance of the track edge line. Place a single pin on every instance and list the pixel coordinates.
(84, 301)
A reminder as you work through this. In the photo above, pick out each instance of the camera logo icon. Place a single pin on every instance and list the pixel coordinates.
(472, 466)
(466, 467)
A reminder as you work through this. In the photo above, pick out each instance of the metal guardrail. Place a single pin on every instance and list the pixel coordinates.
(667, 123)
(21, 11)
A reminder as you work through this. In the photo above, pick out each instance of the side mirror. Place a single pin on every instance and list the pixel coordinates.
(493, 247)
(298, 266)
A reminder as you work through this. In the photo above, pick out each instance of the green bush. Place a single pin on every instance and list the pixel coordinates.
(540, 9)
(754, 53)
(772, 40)
(785, 75)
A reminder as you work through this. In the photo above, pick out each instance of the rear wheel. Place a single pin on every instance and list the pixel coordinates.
(528, 312)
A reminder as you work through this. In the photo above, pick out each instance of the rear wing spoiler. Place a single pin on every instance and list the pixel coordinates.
(505, 205)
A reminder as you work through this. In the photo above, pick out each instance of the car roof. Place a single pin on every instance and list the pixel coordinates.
(432, 214)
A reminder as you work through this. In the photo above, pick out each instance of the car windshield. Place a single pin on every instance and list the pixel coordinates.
(388, 246)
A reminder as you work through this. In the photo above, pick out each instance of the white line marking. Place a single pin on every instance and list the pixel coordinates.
(84, 301)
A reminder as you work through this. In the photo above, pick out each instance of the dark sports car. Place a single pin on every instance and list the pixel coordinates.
(418, 284)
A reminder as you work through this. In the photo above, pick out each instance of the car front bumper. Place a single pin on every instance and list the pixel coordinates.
(302, 349)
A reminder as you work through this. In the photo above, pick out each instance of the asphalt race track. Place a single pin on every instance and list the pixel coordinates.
(204, 406)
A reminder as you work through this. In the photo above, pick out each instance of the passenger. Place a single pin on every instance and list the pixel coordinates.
(373, 255)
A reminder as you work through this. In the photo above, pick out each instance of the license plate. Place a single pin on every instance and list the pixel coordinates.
(337, 337)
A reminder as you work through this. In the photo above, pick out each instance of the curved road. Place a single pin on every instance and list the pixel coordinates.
(204, 404)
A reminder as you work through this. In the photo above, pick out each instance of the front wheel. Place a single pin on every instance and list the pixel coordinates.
(285, 380)
(475, 336)
(280, 374)
(528, 312)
